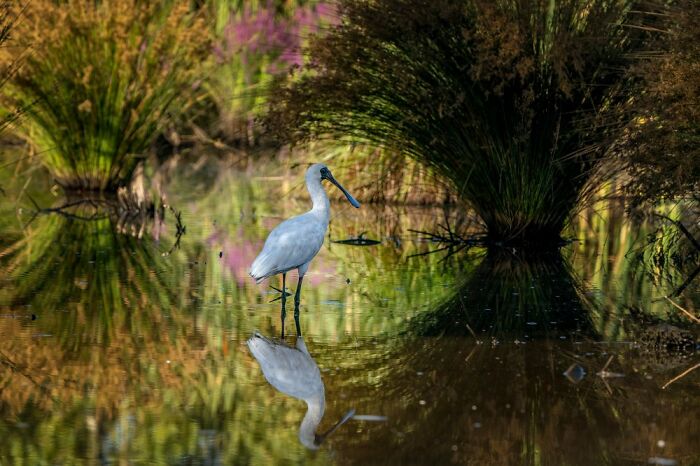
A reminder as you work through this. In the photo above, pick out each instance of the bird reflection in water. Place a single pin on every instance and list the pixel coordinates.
(293, 372)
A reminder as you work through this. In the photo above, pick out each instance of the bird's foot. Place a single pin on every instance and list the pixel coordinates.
(286, 293)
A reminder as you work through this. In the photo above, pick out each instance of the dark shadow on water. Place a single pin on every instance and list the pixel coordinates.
(514, 296)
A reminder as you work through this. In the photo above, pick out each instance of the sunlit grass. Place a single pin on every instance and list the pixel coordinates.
(101, 81)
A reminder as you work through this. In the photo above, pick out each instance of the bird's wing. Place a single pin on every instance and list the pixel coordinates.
(293, 243)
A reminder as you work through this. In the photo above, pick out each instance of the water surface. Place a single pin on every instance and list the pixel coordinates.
(122, 343)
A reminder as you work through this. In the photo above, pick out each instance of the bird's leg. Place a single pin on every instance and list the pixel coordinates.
(284, 301)
(297, 299)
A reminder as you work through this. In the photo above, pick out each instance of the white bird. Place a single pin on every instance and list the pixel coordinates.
(293, 372)
(296, 241)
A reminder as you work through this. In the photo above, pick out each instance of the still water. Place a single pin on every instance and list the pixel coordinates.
(122, 343)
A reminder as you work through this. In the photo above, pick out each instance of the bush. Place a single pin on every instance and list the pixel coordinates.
(662, 146)
(503, 99)
(9, 66)
(101, 81)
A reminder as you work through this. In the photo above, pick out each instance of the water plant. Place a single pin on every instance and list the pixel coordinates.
(101, 81)
(503, 99)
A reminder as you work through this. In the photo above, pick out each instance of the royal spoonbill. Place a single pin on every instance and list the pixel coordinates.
(293, 372)
(295, 242)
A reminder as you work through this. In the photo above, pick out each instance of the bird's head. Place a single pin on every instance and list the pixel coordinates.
(319, 172)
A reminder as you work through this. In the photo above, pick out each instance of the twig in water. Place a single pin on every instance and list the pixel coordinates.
(605, 374)
(680, 376)
(687, 282)
(180, 228)
(471, 331)
(691, 316)
(286, 293)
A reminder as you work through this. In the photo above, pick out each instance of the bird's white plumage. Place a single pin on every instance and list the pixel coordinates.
(296, 241)
(292, 244)
(290, 370)
(293, 372)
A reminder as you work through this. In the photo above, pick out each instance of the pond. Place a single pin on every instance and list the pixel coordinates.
(125, 342)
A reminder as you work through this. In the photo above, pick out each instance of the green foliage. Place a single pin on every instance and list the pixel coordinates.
(502, 99)
(8, 66)
(102, 81)
(255, 41)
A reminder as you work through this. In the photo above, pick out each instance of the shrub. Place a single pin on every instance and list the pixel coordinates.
(502, 98)
(9, 66)
(662, 146)
(101, 81)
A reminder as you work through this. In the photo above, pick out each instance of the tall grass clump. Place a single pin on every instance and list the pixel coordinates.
(101, 80)
(8, 65)
(503, 99)
(661, 148)
(255, 41)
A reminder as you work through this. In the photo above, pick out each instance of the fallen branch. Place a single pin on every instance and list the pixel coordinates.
(680, 376)
(684, 311)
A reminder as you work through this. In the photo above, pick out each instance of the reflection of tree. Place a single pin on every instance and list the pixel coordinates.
(510, 295)
(120, 363)
(451, 401)
(105, 279)
(97, 293)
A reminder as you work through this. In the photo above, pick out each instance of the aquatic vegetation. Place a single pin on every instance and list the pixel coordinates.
(661, 147)
(102, 81)
(502, 99)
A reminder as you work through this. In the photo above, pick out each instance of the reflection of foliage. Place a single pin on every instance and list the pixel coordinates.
(62, 261)
(116, 365)
(628, 266)
(449, 401)
(152, 367)
(509, 295)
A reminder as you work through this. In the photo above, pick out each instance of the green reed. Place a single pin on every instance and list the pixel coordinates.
(503, 99)
(102, 81)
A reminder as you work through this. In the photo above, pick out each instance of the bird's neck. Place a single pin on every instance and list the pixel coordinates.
(319, 198)
(316, 406)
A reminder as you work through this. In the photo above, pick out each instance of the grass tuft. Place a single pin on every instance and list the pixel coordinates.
(503, 99)
(101, 80)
